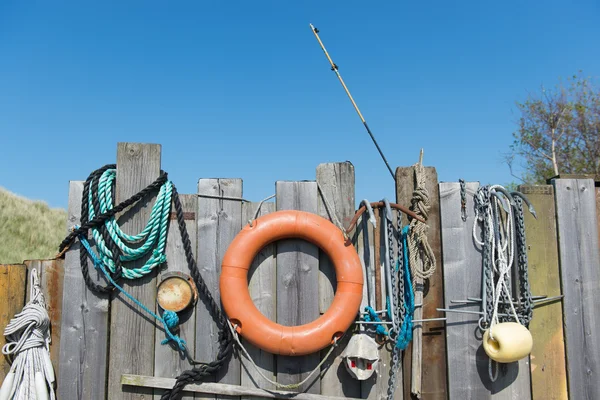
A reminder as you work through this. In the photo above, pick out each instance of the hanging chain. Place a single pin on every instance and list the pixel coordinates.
(482, 202)
(463, 200)
(398, 280)
(525, 310)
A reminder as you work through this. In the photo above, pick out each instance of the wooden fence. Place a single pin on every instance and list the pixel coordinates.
(96, 340)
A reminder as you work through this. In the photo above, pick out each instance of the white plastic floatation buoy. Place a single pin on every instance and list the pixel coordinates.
(508, 342)
(361, 356)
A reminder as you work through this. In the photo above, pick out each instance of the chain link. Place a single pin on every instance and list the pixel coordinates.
(398, 280)
(463, 200)
(525, 310)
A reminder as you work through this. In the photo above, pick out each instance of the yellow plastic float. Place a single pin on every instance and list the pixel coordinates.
(509, 342)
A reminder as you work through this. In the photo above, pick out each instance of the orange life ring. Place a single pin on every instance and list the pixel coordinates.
(251, 323)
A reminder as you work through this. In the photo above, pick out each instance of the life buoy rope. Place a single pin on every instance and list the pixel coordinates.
(251, 323)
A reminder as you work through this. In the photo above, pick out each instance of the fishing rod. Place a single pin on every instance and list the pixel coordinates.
(334, 68)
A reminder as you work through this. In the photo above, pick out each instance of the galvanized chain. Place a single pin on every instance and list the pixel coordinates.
(398, 280)
(463, 200)
(482, 202)
(525, 310)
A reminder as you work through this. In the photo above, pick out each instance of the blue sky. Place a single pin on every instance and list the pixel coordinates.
(242, 89)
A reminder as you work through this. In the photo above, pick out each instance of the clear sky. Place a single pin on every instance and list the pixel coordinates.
(242, 89)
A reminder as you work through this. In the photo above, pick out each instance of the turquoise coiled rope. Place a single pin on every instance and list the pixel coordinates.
(153, 235)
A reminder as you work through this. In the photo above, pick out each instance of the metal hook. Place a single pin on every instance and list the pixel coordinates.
(388, 209)
(372, 218)
(526, 200)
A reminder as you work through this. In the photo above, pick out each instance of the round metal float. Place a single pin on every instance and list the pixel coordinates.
(176, 291)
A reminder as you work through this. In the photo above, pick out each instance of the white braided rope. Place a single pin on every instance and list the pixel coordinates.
(31, 375)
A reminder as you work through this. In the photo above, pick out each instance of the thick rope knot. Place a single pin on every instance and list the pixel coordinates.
(372, 316)
(171, 319)
(27, 330)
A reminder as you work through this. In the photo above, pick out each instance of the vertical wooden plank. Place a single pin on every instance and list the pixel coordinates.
(219, 221)
(598, 209)
(263, 291)
(336, 184)
(336, 180)
(548, 371)
(297, 283)
(431, 340)
(84, 323)
(467, 363)
(168, 362)
(12, 292)
(579, 268)
(131, 330)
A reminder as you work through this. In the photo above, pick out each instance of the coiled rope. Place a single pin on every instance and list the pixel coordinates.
(498, 243)
(31, 375)
(93, 218)
(422, 259)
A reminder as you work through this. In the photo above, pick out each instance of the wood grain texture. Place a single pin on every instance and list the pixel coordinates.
(336, 190)
(84, 323)
(12, 292)
(548, 371)
(598, 210)
(336, 180)
(429, 337)
(222, 389)
(219, 221)
(131, 329)
(467, 363)
(168, 362)
(263, 291)
(51, 275)
(580, 276)
(297, 283)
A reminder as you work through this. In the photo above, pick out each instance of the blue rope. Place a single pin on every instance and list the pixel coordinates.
(373, 317)
(169, 320)
(406, 330)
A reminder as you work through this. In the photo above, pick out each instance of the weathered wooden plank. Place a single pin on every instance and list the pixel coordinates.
(336, 190)
(13, 278)
(297, 283)
(168, 362)
(51, 275)
(336, 181)
(431, 383)
(131, 330)
(467, 363)
(84, 323)
(363, 240)
(598, 210)
(548, 371)
(222, 389)
(263, 291)
(580, 275)
(219, 221)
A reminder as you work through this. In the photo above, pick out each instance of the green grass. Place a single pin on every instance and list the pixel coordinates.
(29, 229)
